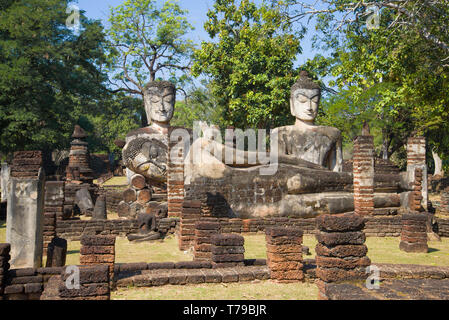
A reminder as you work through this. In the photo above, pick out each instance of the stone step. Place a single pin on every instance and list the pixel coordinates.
(161, 277)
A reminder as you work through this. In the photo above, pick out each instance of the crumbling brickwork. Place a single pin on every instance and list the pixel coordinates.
(203, 239)
(341, 250)
(416, 159)
(191, 213)
(26, 164)
(414, 233)
(444, 205)
(363, 171)
(284, 254)
(98, 250)
(228, 250)
(53, 208)
(94, 284)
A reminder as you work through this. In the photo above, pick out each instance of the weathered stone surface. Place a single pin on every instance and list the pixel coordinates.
(227, 240)
(56, 253)
(5, 173)
(25, 222)
(339, 238)
(100, 212)
(339, 223)
(84, 201)
(342, 251)
(413, 247)
(284, 232)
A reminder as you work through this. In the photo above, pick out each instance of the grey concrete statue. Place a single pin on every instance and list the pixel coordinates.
(145, 151)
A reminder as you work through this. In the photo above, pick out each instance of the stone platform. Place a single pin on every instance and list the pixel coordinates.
(406, 289)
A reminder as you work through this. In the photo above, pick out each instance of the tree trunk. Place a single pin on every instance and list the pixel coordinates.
(438, 164)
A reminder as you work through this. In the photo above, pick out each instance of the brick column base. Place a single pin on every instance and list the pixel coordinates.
(414, 233)
(191, 213)
(284, 254)
(341, 250)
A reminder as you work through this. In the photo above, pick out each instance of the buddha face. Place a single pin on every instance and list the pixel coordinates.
(159, 104)
(304, 104)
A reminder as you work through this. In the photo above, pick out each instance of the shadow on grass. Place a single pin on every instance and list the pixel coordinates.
(432, 250)
(73, 251)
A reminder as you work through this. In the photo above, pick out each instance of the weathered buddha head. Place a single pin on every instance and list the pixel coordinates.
(305, 98)
(159, 99)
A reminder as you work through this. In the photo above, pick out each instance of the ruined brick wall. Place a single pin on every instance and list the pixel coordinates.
(363, 171)
(442, 227)
(284, 254)
(53, 208)
(70, 190)
(98, 250)
(94, 285)
(74, 229)
(114, 194)
(26, 164)
(190, 215)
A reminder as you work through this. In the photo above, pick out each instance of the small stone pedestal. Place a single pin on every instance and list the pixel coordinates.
(228, 250)
(56, 253)
(341, 250)
(203, 240)
(414, 233)
(284, 254)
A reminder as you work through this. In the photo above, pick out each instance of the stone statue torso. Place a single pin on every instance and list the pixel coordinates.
(318, 144)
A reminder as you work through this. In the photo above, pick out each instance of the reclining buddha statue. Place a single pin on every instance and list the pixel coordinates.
(308, 179)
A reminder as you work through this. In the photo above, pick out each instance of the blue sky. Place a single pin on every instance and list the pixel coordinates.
(99, 9)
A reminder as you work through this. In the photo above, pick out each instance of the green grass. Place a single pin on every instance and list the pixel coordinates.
(116, 181)
(2, 231)
(256, 290)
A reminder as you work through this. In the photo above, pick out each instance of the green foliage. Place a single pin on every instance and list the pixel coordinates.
(108, 120)
(147, 40)
(250, 62)
(45, 72)
(397, 71)
(200, 105)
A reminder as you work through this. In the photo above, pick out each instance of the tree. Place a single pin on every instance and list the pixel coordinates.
(200, 105)
(396, 64)
(249, 62)
(45, 71)
(148, 41)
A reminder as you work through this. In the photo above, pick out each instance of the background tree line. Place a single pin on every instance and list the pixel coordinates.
(394, 75)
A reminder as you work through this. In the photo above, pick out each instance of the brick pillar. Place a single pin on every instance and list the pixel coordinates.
(94, 284)
(98, 250)
(284, 254)
(203, 240)
(416, 158)
(415, 198)
(414, 233)
(444, 205)
(363, 171)
(5, 249)
(228, 250)
(175, 178)
(341, 250)
(53, 207)
(191, 213)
